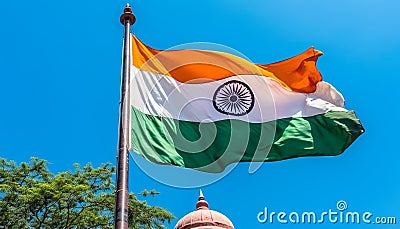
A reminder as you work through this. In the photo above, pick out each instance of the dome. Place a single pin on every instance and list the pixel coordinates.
(204, 218)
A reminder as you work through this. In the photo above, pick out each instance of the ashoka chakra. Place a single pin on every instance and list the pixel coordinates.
(233, 98)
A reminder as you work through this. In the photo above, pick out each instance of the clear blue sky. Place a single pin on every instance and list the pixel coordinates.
(59, 90)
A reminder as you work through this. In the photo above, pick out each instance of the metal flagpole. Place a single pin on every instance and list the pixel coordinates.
(121, 194)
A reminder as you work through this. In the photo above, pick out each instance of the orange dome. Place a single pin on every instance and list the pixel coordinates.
(204, 218)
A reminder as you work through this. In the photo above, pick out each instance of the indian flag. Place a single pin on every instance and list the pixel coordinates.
(206, 109)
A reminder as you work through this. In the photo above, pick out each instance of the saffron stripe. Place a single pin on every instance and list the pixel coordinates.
(298, 73)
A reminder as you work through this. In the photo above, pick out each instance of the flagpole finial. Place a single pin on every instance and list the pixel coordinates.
(127, 15)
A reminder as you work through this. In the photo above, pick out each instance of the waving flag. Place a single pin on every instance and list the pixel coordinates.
(206, 109)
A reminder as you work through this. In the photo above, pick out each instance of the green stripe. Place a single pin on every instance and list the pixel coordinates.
(195, 145)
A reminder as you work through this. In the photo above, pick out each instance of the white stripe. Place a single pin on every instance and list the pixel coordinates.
(163, 96)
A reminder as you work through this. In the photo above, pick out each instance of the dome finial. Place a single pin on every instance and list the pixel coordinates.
(202, 203)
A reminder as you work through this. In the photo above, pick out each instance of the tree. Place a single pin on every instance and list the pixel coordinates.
(33, 197)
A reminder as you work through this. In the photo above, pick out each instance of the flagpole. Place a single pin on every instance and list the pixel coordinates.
(121, 193)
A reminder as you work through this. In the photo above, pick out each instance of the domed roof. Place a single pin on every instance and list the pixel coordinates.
(204, 218)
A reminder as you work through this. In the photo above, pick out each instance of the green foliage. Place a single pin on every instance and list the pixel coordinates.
(33, 197)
